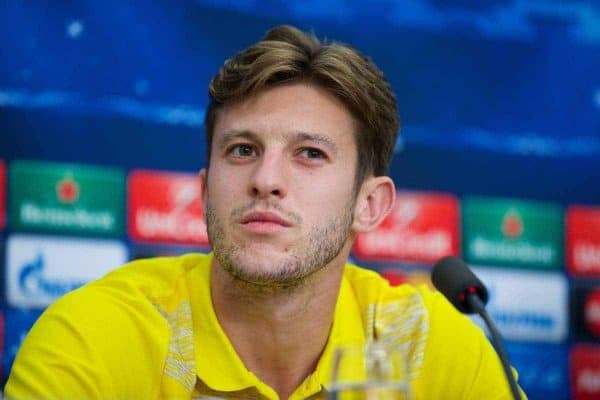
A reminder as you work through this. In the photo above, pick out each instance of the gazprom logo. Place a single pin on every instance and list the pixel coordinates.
(32, 281)
(527, 305)
(524, 319)
(40, 269)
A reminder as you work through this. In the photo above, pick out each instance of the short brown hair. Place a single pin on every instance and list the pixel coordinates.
(286, 55)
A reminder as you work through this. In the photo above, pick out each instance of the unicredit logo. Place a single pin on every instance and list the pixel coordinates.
(405, 213)
(592, 312)
(166, 207)
(32, 281)
(588, 381)
(583, 240)
(585, 371)
(421, 228)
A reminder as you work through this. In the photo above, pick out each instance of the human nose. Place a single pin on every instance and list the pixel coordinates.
(269, 177)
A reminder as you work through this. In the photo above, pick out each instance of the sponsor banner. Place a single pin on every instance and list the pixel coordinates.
(2, 195)
(2, 271)
(165, 208)
(49, 197)
(585, 310)
(19, 322)
(512, 233)
(40, 269)
(582, 235)
(542, 368)
(2, 335)
(422, 228)
(585, 372)
(527, 305)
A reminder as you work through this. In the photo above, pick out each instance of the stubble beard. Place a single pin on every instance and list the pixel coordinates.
(315, 250)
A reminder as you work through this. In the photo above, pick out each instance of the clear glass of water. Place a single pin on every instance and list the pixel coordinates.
(369, 372)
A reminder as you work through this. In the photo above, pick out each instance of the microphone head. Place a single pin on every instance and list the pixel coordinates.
(453, 278)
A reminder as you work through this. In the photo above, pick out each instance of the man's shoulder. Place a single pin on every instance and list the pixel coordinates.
(155, 276)
(108, 328)
(154, 283)
(370, 286)
(138, 293)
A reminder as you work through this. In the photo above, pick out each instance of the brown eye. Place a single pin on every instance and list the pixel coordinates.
(312, 153)
(242, 150)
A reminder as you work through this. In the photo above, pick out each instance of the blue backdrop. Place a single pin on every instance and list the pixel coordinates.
(496, 97)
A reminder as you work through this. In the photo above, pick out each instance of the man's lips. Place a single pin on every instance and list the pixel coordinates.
(264, 218)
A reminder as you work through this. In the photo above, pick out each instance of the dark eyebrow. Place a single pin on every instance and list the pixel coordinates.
(296, 137)
(317, 137)
(232, 135)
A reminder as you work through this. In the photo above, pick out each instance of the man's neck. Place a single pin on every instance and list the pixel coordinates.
(279, 334)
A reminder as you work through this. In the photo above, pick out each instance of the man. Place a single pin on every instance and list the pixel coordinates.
(300, 135)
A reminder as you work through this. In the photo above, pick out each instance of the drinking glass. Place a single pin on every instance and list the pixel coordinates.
(368, 372)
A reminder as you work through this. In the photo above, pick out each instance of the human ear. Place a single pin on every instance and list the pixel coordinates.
(373, 203)
(202, 177)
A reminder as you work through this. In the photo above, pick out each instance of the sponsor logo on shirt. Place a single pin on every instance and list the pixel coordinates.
(66, 198)
(166, 208)
(527, 305)
(512, 233)
(583, 241)
(585, 372)
(422, 228)
(40, 269)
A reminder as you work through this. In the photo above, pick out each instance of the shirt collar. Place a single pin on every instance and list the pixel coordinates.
(217, 363)
(219, 366)
(347, 329)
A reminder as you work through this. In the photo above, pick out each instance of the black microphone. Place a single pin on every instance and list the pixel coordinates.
(453, 278)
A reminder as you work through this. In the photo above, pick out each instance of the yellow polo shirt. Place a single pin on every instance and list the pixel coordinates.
(148, 331)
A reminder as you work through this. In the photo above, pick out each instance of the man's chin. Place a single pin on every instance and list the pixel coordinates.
(262, 270)
(270, 251)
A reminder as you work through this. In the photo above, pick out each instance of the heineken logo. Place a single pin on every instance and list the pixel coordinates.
(67, 190)
(512, 225)
(525, 252)
(35, 215)
(512, 232)
(66, 198)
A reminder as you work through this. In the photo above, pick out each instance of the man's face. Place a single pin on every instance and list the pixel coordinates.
(279, 191)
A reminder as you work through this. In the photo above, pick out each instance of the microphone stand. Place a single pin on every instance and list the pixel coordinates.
(477, 305)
